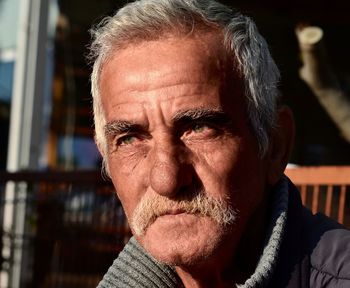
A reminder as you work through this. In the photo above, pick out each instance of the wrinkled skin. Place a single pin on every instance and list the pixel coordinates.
(150, 86)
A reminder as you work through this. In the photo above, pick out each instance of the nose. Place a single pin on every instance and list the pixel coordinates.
(171, 169)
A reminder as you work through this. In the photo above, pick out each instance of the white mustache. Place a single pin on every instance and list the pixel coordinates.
(201, 204)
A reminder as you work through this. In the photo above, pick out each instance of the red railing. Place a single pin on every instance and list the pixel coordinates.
(75, 227)
(324, 189)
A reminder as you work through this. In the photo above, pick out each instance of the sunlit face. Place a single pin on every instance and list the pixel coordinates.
(176, 130)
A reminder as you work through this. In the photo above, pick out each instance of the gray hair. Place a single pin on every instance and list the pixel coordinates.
(150, 19)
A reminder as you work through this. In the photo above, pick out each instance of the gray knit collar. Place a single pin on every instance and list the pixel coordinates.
(267, 262)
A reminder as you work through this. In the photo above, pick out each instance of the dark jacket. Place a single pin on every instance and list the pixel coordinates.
(315, 251)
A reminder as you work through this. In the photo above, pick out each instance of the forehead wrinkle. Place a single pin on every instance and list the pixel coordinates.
(170, 92)
(145, 80)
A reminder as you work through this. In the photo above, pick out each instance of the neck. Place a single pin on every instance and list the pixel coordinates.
(214, 272)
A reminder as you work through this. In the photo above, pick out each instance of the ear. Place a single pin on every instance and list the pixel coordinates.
(281, 144)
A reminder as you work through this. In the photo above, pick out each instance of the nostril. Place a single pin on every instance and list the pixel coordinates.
(186, 174)
(192, 187)
(187, 192)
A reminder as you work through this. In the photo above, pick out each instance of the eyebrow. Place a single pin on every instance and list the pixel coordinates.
(118, 127)
(216, 116)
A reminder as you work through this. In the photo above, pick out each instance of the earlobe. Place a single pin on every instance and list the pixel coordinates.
(281, 144)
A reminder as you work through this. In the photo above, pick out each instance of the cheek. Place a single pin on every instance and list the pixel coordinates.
(216, 162)
(128, 170)
(128, 177)
(126, 196)
(248, 181)
(232, 169)
(127, 160)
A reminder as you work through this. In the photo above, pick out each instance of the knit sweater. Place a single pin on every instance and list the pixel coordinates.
(134, 267)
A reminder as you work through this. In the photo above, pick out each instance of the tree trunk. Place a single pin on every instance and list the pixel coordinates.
(321, 79)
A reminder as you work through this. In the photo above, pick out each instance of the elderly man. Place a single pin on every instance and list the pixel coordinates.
(188, 123)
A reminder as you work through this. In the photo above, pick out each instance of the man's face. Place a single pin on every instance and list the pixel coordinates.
(177, 128)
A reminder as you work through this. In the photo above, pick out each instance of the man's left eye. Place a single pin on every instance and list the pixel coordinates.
(199, 128)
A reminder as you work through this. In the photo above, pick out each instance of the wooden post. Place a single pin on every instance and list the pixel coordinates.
(317, 73)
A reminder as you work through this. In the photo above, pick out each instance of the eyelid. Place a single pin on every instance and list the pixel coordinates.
(137, 134)
(204, 129)
(120, 138)
(203, 122)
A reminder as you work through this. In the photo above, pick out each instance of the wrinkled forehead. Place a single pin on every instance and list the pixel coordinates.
(200, 55)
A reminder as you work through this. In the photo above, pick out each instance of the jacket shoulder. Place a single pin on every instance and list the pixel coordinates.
(329, 253)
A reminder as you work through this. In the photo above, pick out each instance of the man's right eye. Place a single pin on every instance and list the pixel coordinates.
(126, 140)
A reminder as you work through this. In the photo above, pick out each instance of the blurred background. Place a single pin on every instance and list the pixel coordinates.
(62, 225)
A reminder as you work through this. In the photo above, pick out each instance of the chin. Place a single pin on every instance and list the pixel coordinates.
(185, 241)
